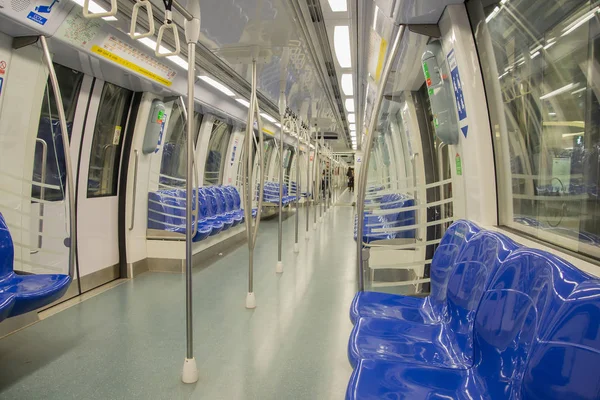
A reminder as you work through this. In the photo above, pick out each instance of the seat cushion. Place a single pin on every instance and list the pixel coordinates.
(377, 380)
(34, 291)
(387, 305)
(398, 340)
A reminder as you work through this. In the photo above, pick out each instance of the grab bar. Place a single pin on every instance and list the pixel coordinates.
(42, 194)
(135, 173)
(89, 15)
(134, 15)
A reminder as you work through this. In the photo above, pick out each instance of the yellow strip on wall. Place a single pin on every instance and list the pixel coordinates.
(268, 132)
(129, 65)
(382, 50)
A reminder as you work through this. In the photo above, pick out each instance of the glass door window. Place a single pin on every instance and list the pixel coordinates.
(217, 149)
(108, 137)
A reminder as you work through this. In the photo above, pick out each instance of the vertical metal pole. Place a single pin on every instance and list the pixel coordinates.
(297, 160)
(308, 185)
(316, 179)
(279, 267)
(362, 178)
(189, 187)
(68, 165)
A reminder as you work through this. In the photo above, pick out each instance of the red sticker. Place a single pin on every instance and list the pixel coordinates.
(428, 81)
(2, 67)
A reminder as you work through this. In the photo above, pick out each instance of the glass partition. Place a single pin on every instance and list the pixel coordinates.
(109, 129)
(217, 149)
(539, 64)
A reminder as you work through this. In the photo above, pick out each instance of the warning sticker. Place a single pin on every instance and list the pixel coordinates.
(117, 135)
(2, 67)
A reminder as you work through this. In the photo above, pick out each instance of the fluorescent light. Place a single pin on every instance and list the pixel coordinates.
(338, 5)
(353, 133)
(550, 44)
(217, 85)
(341, 43)
(95, 9)
(559, 91)
(534, 55)
(179, 61)
(579, 90)
(268, 117)
(353, 127)
(347, 86)
(152, 44)
(277, 124)
(375, 15)
(552, 114)
(350, 105)
(351, 118)
(580, 21)
(243, 102)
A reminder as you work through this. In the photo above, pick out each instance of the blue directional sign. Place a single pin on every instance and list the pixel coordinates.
(457, 84)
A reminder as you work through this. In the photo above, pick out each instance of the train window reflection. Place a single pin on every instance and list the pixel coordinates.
(539, 65)
(108, 137)
(217, 147)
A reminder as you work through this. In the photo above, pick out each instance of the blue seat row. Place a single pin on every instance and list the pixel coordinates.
(20, 294)
(271, 194)
(219, 209)
(502, 322)
(392, 219)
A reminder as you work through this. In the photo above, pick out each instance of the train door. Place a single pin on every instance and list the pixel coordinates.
(100, 156)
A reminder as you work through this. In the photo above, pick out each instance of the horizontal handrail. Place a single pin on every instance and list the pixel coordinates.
(389, 211)
(415, 226)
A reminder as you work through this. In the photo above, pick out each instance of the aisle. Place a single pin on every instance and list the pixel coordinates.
(129, 342)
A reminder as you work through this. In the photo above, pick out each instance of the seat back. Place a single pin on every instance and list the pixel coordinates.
(228, 198)
(219, 199)
(521, 302)
(475, 266)
(455, 238)
(237, 201)
(7, 250)
(564, 363)
(211, 203)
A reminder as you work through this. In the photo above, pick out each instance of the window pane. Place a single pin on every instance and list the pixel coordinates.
(217, 147)
(539, 60)
(105, 155)
(49, 162)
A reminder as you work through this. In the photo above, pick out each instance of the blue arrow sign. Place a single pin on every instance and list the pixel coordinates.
(464, 130)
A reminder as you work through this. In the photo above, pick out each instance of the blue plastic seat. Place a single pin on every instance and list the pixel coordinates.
(20, 294)
(521, 329)
(445, 339)
(215, 212)
(387, 305)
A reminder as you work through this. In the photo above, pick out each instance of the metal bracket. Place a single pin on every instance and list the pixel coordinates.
(24, 41)
(431, 30)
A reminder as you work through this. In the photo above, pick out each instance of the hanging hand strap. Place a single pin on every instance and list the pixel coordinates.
(134, 15)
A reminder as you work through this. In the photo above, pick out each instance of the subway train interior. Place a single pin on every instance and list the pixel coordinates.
(300, 199)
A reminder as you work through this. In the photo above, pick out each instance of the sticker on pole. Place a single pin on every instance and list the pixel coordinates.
(458, 92)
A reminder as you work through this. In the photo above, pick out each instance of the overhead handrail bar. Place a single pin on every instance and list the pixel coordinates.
(72, 244)
(134, 15)
(362, 178)
(168, 25)
(90, 15)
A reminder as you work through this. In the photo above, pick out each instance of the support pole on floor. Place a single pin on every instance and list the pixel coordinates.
(252, 231)
(296, 127)
(308, 185)
(282, 114)
(70, 195)
(316, 185)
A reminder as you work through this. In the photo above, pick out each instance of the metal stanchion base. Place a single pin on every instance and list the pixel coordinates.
(297, 247)
(315, 227)
(279, 267)
(307, 238)
(190, 371)
(250, 300)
